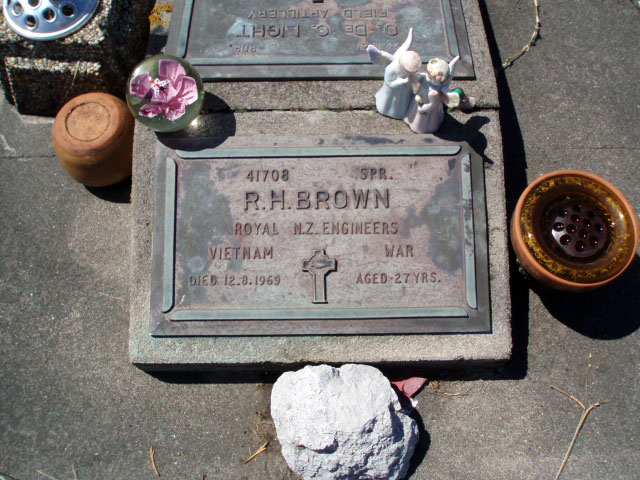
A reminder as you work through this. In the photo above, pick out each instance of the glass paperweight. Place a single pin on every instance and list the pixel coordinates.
(165, 93)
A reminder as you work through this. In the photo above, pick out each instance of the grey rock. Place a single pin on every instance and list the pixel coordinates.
(342, 423)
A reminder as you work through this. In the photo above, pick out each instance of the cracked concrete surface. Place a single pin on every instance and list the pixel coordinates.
(24, 135)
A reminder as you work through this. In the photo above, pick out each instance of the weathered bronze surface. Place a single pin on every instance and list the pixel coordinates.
(287, 235)
(243, 39)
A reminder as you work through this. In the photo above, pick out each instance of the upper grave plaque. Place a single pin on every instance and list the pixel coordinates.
(312, 39)
(290, 236)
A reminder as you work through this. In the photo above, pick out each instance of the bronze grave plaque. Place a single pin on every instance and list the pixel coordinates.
(299, 236)
(312, 39)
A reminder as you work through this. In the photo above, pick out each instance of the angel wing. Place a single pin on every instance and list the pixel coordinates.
(406, 45)
(452, 71)
(452, 66)
(378, 56)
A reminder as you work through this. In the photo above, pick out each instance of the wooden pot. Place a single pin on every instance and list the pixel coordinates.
(574, 231)
(93, 139)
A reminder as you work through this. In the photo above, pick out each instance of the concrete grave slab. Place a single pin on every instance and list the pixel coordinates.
(282, 39)
(328, 108)
(352, 94)
(237, 352)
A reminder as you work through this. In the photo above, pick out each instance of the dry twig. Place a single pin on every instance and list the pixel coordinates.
(532, 42)
(263, 448)
(109, 296)
(152, 454)
(436, 388)
(45, 475)
(262, 427)
(585, 413)
(73, 80)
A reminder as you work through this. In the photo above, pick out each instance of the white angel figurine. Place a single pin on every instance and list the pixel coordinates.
(395, 95)
(426, 112)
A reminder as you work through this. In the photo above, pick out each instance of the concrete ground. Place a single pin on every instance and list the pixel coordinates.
(71, 405)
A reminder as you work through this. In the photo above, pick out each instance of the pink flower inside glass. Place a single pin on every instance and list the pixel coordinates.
(169, 94)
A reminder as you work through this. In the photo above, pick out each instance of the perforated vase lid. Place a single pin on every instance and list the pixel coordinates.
(48, 19)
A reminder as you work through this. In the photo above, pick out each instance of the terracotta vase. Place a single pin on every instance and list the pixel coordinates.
(574, 231)
(93, 139)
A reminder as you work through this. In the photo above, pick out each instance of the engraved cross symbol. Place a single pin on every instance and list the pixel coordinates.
(319, 266)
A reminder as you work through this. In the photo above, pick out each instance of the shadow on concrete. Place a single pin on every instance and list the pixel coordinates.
(215, 104)
(608, 313)
(515, 168)
(118, 193)
(424, 442)
(221, 376)
(157, 41)
(469, 132)
(212, 127)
